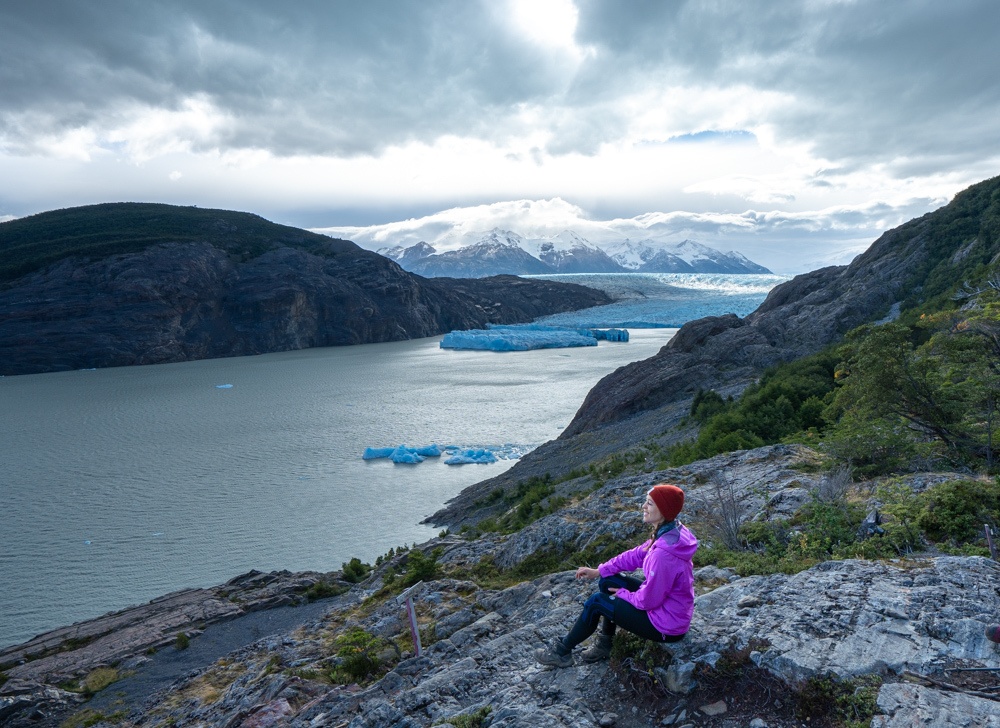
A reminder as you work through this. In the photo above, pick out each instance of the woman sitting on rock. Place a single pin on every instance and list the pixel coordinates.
(657, 608)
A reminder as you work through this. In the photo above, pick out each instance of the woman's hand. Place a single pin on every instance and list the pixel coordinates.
(585, 572)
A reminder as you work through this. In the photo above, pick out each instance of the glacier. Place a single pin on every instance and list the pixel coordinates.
(524, 337)
(662, 300)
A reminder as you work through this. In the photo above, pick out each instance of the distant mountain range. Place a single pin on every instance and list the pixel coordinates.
(505, 252)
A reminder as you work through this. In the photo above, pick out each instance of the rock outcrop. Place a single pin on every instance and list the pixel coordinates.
(208, 297)
(65, 653)
(908, 621)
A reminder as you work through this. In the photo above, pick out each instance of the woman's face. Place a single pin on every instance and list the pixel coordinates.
(650, 512)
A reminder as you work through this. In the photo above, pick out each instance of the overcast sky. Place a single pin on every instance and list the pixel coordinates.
(795, 132)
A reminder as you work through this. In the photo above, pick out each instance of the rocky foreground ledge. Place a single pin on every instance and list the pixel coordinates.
(908, 621)
(35, 669)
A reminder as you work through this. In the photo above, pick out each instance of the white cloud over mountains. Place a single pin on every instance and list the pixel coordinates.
(780, 241)
(319, 112)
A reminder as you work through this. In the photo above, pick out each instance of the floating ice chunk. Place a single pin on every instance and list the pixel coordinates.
(510, 451)
(464, 457)
(458, 455)
(524, 337)
(516, 338)
(86, 543)
(428, 451)
(223, 386)
(402, 453)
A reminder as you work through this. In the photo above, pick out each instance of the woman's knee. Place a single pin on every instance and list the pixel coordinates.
(606, 583)
(599, 603)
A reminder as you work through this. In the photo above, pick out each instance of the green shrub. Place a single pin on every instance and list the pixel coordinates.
(951, 514)
(956, 511)
(643, 654)
(421, 567)
(323, 590)
(767, 537)
(182, 642)
(872, 446)
(359, 657)
(98, 679)
(90, 717)
(706, 404)
(849, 703)
(355, 572)
(788, 399)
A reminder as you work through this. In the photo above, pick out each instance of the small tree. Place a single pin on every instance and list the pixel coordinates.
(725, 516)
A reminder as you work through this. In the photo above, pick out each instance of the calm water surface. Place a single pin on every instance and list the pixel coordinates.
(119, 485)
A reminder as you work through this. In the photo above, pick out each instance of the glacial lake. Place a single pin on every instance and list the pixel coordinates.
(120, 485)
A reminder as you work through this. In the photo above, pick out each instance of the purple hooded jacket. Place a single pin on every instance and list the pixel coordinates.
(667, 594)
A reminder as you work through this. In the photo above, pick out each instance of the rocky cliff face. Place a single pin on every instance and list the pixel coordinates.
(194, 300)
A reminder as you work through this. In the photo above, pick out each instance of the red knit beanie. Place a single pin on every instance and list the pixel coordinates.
(669, 499)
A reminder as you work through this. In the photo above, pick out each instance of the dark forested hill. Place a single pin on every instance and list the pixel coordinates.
(133, 283)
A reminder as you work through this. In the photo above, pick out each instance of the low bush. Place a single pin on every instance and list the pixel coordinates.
(955, 512)
(324, 590)
(949, 516)
(477, 719)
(360, 657)
(633, 651)
(420, 566)
(847, 703)
(98, 679)
(354, 571)
(788, 400)
(90, 717)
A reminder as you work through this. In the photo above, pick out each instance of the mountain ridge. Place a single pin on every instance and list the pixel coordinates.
(501, 251)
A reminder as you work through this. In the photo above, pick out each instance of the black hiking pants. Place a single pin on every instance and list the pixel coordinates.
(616, 612)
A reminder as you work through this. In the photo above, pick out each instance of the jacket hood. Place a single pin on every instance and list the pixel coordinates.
(678, 542)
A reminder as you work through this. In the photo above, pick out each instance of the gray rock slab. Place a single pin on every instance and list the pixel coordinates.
(855, 617)
(904, 705)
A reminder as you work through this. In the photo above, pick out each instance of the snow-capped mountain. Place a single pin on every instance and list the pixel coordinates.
(570, 253)
(648, 256)
(499, 252)
(407, 256)
(503, 251)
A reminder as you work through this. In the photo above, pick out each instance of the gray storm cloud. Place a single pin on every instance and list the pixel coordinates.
(309, 77)
(866, 81)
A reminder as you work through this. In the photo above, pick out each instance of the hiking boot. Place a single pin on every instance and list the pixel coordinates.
(553, 655)
(600, 650)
